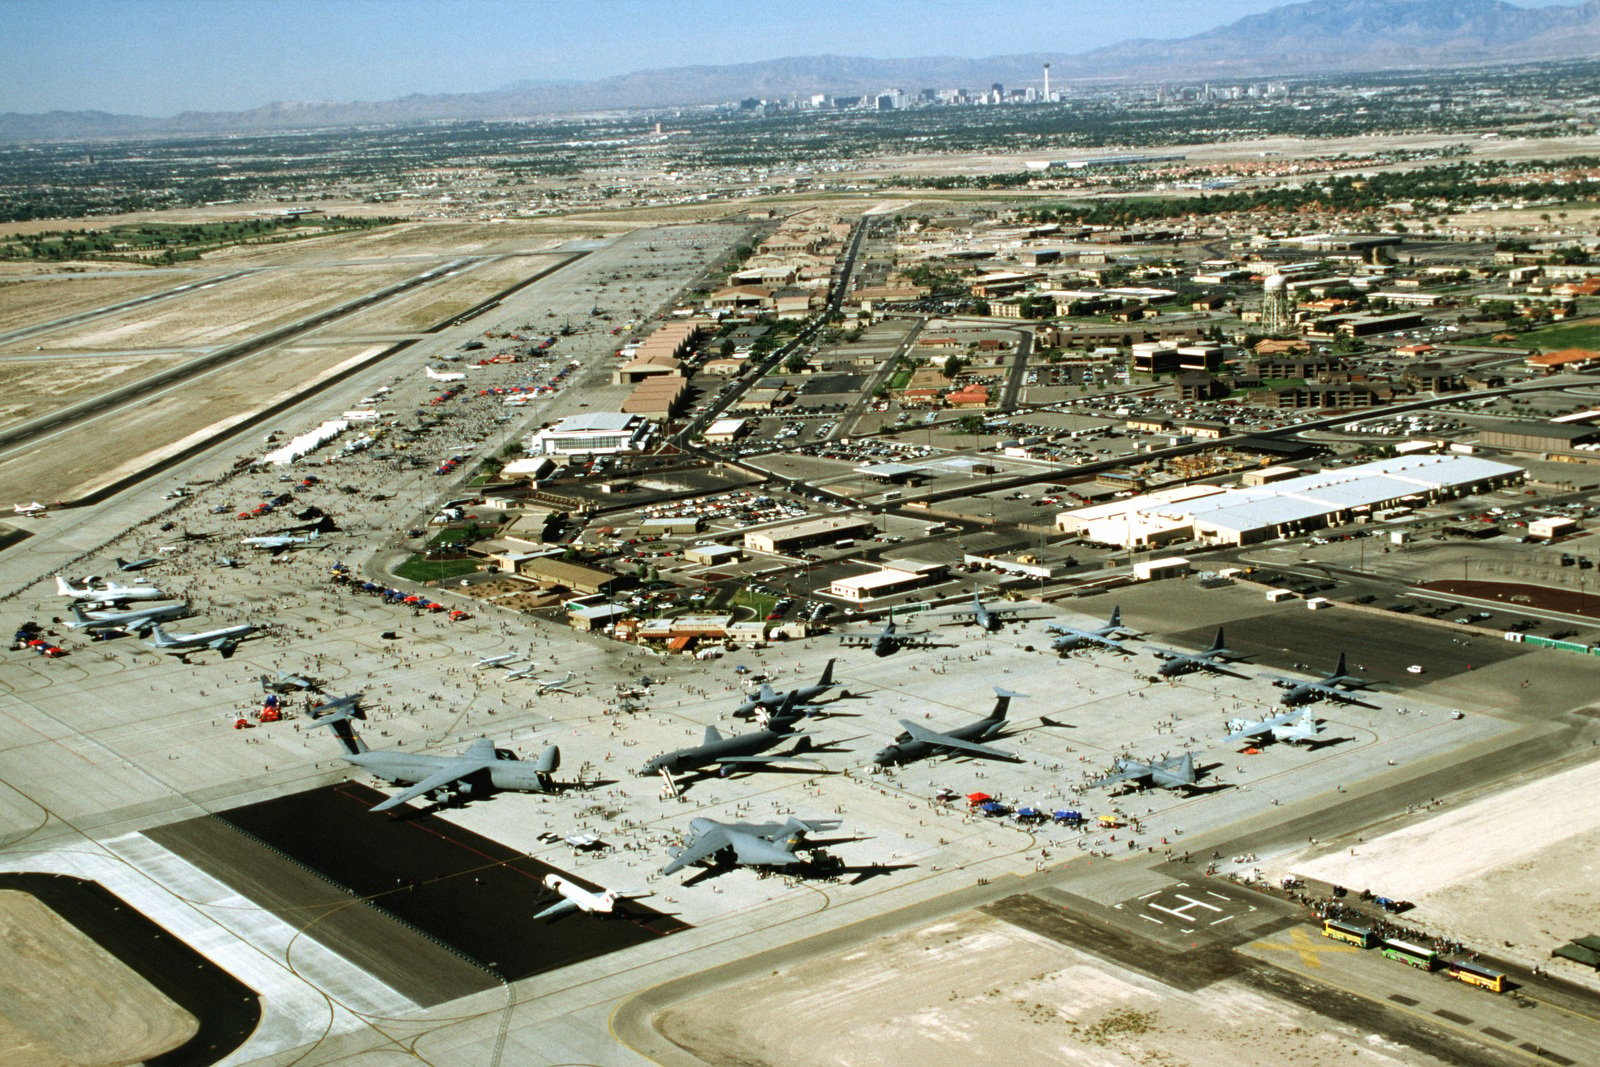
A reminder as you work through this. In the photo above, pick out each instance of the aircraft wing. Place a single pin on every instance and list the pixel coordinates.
(1256, 729)
(1127, 774)
(560, 907)
(453, 772)
(933, 737)
(706, 843)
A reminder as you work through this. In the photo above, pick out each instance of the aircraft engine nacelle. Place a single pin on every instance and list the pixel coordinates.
(725, 770)
(549, 759)
(464, 788)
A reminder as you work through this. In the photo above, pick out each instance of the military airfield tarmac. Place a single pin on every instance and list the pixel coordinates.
(949, 933)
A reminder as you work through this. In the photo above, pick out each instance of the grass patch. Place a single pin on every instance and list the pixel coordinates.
(1566, 335)
(899, 378)
(420, 569)
(759, 603)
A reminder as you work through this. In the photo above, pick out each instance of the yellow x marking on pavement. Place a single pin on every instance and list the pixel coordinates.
(1308, 947)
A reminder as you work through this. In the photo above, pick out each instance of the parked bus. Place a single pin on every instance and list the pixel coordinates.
(1349, 933)
(1413, 955)
(1476, 974)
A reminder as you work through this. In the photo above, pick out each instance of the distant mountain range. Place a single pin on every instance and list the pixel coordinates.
(1321, 36)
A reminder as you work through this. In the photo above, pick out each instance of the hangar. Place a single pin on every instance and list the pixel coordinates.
(1287, 508)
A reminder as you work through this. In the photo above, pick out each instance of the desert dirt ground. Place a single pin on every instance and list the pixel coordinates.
(974, 989)
(33, 387)
(27, 300)
(227, 313)
(1514, 872)
(78, 463)
(66, 1001)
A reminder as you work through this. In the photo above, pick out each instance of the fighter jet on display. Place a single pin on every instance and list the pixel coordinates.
(136, 621)
(282, 542)
(108, 592)
(34, 510)
(1333, 686)
(919, 741)
(768, 699)
(285, 682)
(136, 564)
(496, 661)
(987, 618)
(223, 640)
(1212, 659)
(730, 754)
(482, 768)
(1174, 772)
(747, 844)
(1101, 636)
(1292, 727)
(576, 898)
(887, 640)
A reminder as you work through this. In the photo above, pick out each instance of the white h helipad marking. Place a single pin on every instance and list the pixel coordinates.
(1189, 904)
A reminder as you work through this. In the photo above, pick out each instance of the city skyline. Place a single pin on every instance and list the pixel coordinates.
(161, 57)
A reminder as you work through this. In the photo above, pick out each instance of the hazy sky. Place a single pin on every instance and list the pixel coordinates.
(159, 57)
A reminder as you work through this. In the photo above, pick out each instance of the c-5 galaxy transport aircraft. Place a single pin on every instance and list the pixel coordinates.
(769, 699)
(223, 640)
(919, 741)
(887, 640)
(481, 768)
(108, 592)
(1101, 636)
(747, 844)
(1212, 659)
(1292, 727)
(1174, 772)
(1332, 686)
(987, 618)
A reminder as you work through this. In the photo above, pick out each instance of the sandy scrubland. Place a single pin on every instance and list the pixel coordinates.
(976, 990)
(33, 387)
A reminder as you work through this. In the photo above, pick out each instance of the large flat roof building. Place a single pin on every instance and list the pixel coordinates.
(596, 433)
(1286, 508)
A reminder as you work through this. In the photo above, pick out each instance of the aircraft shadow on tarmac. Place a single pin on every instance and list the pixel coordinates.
(818, 868)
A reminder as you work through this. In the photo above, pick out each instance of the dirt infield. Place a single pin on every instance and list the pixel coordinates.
(1543, 597)
(65, 1000)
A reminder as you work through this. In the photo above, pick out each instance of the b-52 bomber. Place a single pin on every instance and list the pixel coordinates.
(481, 768)
(224, 640)
(1174, 772)
(979, 614)
(1333, 686)
(1212, 659)
(919, 741)
(886, 641)
(730, 754)
(769, 700)
(747, 844)
(1101, 636)
(1292, 728)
